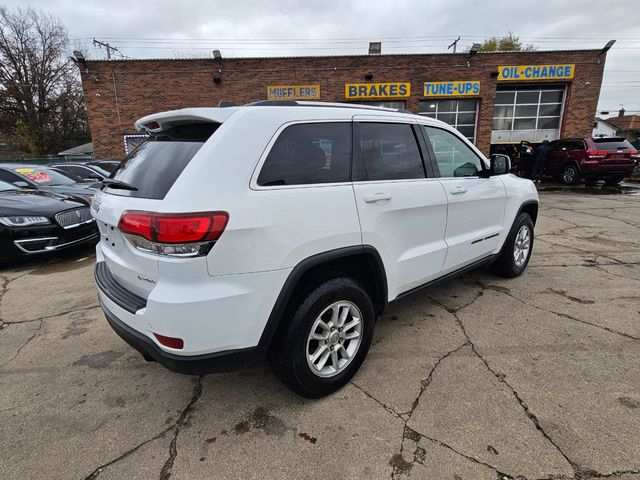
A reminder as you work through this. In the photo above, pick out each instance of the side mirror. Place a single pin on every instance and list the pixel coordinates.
(22, 184)
(500, 164)
(95, 176)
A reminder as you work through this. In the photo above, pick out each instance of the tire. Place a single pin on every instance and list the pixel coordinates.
(506, 265)
(289, 355)
(570, 175)
(613, 180)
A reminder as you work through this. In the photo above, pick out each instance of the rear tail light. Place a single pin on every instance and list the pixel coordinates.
(173, 234)
(597, 153)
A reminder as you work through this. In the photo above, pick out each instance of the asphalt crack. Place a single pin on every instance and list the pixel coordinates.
(35, 333)
(176, 426)
(427, 381)
(560, 314)
(527, 411)
(167, 468)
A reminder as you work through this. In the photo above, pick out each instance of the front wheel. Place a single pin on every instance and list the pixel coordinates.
(326, 339)
(570, 175)
(517, 249)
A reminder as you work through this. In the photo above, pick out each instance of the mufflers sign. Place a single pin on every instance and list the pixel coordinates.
(536, 72)
(293, 92)
(377, 90)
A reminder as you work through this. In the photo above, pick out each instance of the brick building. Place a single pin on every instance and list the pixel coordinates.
(492, 98)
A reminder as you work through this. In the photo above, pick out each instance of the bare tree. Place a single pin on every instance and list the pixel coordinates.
(40, 94)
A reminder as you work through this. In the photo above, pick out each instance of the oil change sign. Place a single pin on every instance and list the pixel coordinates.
(293, 92)
(536, 72)
(377, 90)
(452, 89)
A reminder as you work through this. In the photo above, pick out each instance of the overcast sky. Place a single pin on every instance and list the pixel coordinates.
(169, 28)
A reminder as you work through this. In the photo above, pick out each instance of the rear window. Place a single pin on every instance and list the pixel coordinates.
(612, 144)
(47, 176)
(156, 164)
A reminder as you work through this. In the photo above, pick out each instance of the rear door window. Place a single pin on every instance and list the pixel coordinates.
(155, 165)
(309, 153)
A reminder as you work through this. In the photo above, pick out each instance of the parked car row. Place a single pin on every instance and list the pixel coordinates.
(44, 208)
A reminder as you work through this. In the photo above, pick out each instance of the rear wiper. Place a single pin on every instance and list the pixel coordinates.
(110, 182)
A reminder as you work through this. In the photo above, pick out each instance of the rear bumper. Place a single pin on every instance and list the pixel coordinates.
(219, 319)
(189, 365)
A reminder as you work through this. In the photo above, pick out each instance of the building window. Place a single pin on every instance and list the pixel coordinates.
(525, 113)
(397, 104)
(460, 114)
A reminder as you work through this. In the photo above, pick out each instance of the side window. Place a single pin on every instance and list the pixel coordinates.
(389, 151)
(81, 172)
(453, 156)
(9, 177)
(577, 145)
(309, 153)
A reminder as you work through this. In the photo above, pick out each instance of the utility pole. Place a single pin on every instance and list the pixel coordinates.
(454, 44)
(107, 46)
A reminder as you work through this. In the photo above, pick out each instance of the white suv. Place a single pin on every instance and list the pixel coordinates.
(283, 229)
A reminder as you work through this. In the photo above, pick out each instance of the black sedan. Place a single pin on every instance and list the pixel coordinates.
(108, 165)
(35, 177)
(88, 173)
(33, 222)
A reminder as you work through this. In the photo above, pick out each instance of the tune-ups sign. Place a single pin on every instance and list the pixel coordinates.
(451, 89)
(536, 72)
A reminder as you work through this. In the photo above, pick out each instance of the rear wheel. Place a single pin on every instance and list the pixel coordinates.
(570, 175)
(517, 249)
(326, 339)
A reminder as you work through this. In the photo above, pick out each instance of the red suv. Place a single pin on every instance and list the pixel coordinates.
(610, 159)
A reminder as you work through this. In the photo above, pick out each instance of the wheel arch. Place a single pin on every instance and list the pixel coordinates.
(363, 262)
(530, 207)
(575, 163)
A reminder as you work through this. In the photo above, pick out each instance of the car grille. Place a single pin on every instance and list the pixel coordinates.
(71, 218)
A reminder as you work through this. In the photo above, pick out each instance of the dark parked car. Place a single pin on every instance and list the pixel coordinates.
(108, 165)
(609, 158)
(49, 179)
(36, 221)
(87, 173)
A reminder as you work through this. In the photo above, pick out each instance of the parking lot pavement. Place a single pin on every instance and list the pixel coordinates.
(480, 378)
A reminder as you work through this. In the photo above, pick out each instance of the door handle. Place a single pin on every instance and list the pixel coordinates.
(376, 197)
(458, 190)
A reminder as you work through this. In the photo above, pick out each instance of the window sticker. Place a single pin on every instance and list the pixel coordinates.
(34, 175)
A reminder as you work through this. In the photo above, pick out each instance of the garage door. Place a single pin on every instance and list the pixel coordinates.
(527, 113)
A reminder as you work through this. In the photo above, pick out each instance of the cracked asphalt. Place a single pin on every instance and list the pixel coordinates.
(480, 378)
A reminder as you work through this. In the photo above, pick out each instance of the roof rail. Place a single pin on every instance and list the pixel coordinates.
(273, 103)
(293, 103)
(226, 103)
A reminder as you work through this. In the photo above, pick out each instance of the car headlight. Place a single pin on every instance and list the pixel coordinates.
(24, 221)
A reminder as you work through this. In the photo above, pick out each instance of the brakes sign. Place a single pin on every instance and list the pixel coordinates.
(377, 90)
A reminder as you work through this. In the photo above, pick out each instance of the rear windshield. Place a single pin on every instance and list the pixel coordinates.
(47, 176)
(154, 166)
(613, 144)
